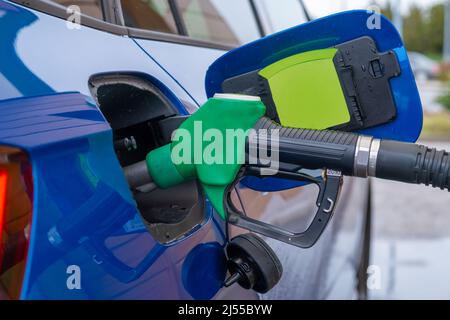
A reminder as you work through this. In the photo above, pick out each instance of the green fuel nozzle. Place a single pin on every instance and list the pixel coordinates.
(201, 147)
(217, 146)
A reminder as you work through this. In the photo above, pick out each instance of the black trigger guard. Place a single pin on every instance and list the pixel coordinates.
(329, 189)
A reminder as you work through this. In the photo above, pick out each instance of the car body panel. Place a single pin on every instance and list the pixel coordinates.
(189, 72)
(53, 70)
(46, 64)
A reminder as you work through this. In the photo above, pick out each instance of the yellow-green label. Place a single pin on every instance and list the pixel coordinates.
(306, 90)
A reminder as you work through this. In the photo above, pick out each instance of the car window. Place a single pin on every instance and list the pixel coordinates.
(229, 22)
(279, 15)
(91, 8)
(149, 14)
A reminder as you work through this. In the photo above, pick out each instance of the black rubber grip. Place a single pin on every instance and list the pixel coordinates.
(412, 163)
(313, 149)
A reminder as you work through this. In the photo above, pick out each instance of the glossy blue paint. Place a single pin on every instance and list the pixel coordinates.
(83, 211)
(189, 75)
(197, 268)
(22, 78)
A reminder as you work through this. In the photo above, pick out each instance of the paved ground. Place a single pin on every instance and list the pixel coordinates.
(411, 243)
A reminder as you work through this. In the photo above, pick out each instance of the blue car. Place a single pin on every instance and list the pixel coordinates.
(87, 89)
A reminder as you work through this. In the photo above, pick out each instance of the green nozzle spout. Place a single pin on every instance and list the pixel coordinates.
(197, 152)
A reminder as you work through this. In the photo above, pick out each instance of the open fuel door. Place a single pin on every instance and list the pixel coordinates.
(361, 66)
(349, 71)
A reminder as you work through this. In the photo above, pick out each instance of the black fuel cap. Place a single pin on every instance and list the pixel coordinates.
(252, 263)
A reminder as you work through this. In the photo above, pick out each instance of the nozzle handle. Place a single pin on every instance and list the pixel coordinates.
(311, 149)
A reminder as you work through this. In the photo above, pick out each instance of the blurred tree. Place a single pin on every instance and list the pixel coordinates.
(387, 10)
(423, 30)
(445, 100)
(435, 30)
(415, 30)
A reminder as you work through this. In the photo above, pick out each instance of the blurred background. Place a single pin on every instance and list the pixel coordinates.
(411, 229)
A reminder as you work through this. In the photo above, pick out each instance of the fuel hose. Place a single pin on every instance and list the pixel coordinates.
(359, 155)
